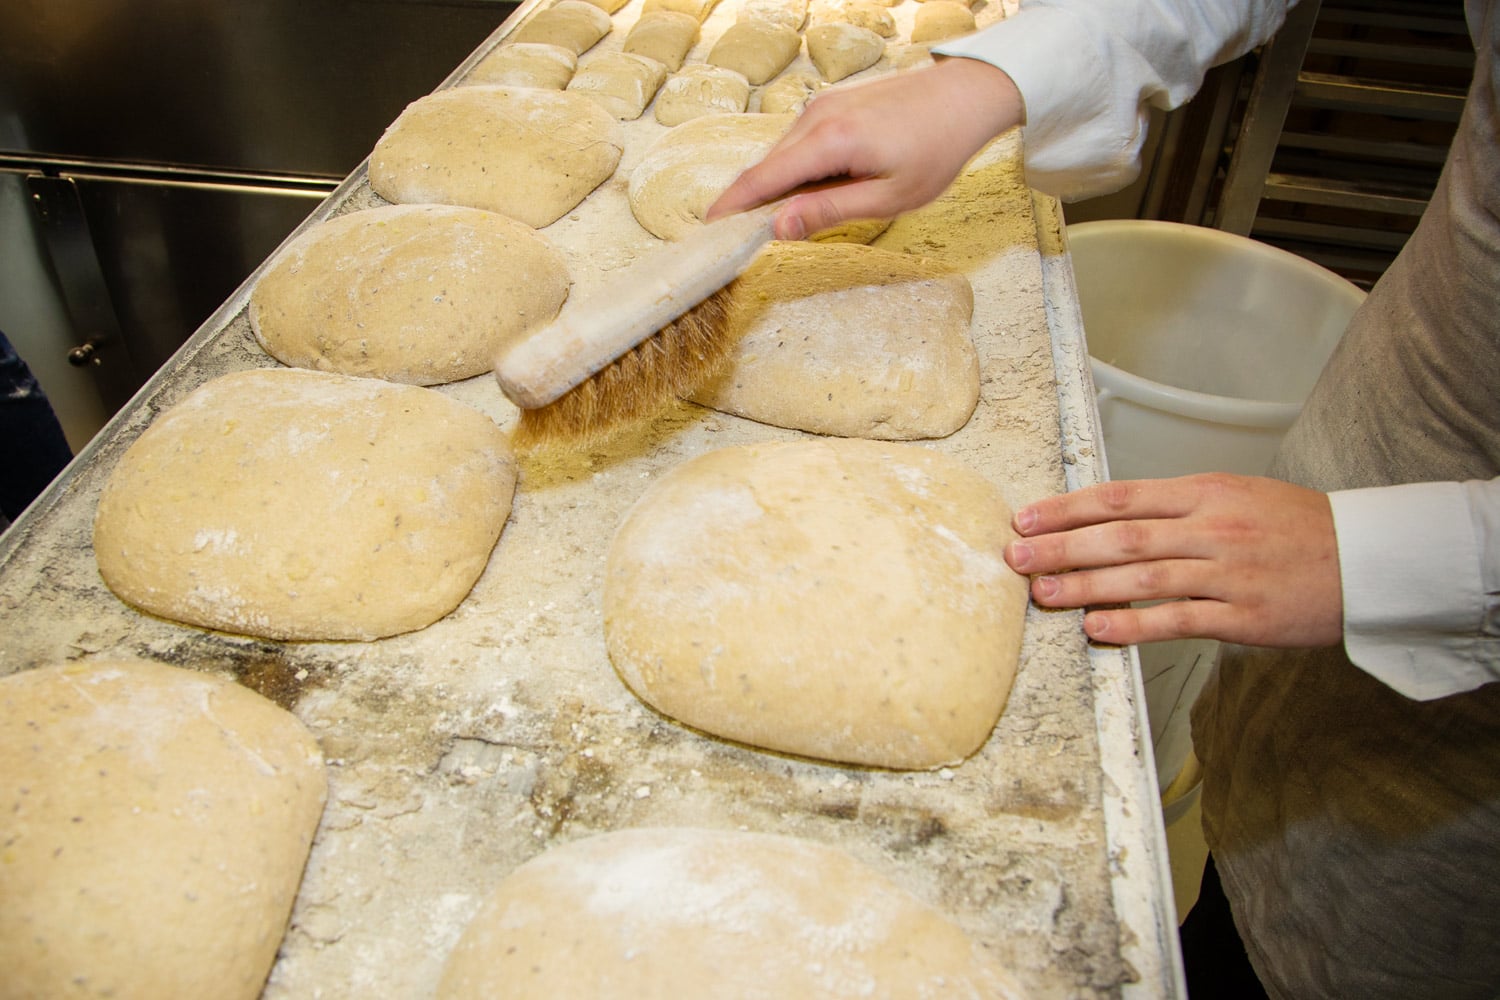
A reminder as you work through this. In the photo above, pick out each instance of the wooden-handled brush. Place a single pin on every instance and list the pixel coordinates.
(653, 334)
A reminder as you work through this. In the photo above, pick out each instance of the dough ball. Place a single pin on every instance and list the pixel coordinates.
(608, 6)
(905, 57)
(293, 504)
(687, 912)
(622, 83)
(664, 35)
(865, 14)
(700, 90)
(849, 340)
(940, 20)
(837, 599)
(686, 170)
(839, 50)
(787, 13)
(789, 93)
(699, 9)
(530, 154)
(757, 49)
(157, 821)
(411, 293)
(576, 25)
(526, 64)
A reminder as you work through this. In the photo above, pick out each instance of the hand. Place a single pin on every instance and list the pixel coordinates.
(899, 141)
(1251, 560)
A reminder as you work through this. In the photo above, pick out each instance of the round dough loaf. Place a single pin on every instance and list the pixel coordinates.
(839, 599)
(687, 912)
(757, 49)
(621, 82)
(526, 64)
(411, 293)
(294, 504)
(939, 20)
(664, 35)
(576, 25)
(686, 170)
(787, 13)
(157, 821)
(530, 154)
(701, 90)
(839, 50)
(850, 340)
(789, 94)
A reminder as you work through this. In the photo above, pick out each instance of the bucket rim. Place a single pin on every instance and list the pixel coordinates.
(1190, 403)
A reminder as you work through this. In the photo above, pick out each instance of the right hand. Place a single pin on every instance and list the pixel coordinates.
(894, 143)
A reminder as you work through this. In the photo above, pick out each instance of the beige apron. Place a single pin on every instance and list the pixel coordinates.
(1357, 832)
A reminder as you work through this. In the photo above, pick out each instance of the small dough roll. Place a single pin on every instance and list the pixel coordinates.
(689, 912)
(839, 50)
(576, 25)
(621, 82)
(940, 20)
(836, 599)
(789, 94)
(686, 170)
(700, 90)
(787, 13)
(851, 340)
(757, 49)
(293, 504)
(530, 154)
(866, 14)
(664, 35)
(696, 8)
(421, 294)
(526, 64)
(157, 821)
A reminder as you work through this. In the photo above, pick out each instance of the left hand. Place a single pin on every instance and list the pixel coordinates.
(1248, 559)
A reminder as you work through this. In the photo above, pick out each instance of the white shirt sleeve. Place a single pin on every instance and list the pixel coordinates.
(1421, 582)
(1088, 69)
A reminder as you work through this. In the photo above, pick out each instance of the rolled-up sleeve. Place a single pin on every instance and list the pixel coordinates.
(1420, 565)
(1088, 69)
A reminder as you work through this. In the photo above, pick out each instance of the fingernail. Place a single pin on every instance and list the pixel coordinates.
(1096, 626)
(795, 229)
(1025, 520)
(1046, 586)
(1020, 555)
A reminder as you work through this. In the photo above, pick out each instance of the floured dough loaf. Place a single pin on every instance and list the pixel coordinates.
(689, 912)
(621, 82)
(697, 8)
(839, 50)
(757, 49)
(787, 13)
(294, 504)
(664, 35)
(789, 93)
(865, 14)
(849, 340)
(526, 64)
(700, 90)
(609, 6)
(939, 20)
(686, 170)
(157, 821)
(530, 154)
(836, 599)
(574, 24)
(412, 293)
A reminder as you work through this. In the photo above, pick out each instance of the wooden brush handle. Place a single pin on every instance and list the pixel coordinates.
(592, 331)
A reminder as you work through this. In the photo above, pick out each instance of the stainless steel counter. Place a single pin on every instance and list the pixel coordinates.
(458, 751)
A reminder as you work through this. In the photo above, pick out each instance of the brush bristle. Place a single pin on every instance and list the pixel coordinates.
(669, 365)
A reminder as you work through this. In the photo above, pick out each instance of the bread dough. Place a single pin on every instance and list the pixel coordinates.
(294, 504)
(758, 49)
(608, 6)
(526, 64)
(940, 20)
(574, 24)
(621, 82)
(696, 8)
(839, 50)
(157, 821)
(789, 93)
(530, 154)
(686, 170)
(787, 13)
(689, 912)
(865, 14)
(700, 90)
(411, 293)
(664, 35)
(849, 340)
(836, 599)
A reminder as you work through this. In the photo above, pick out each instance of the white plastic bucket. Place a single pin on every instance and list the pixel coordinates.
(1203, 346)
